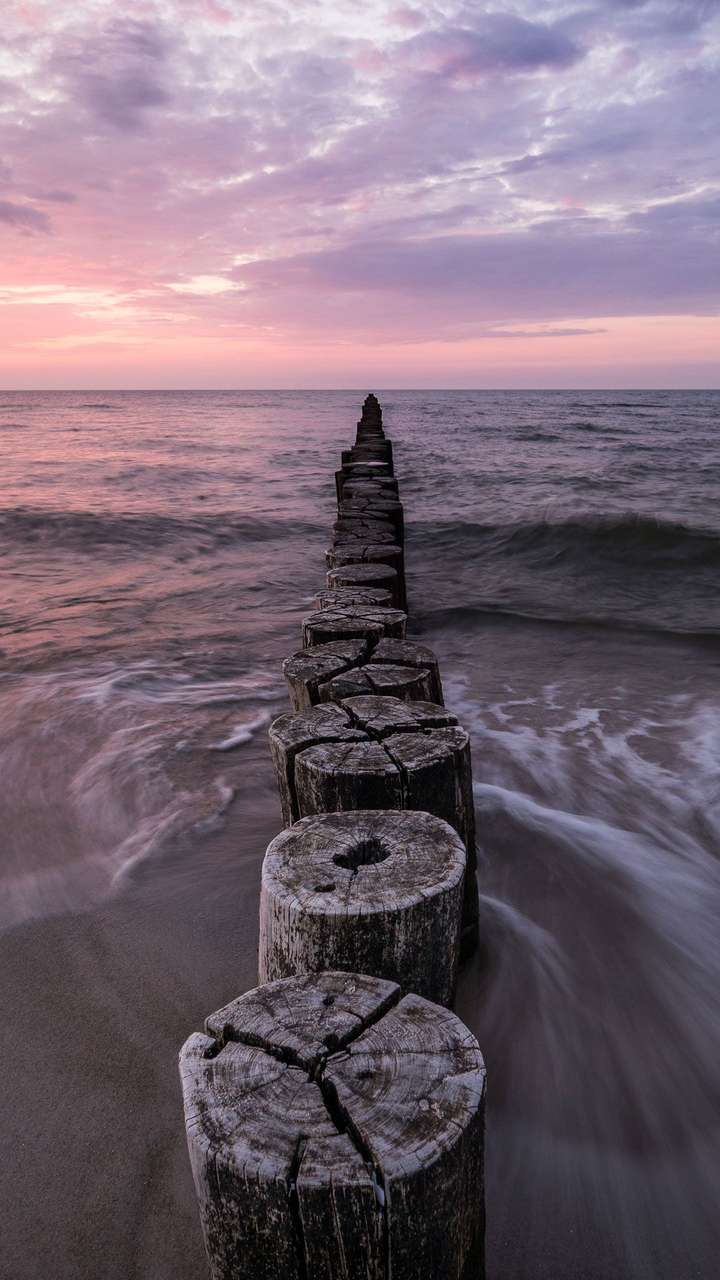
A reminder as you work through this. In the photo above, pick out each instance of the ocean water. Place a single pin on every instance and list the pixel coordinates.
(563, 552)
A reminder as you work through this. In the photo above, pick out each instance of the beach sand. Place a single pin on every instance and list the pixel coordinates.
(95, 1179)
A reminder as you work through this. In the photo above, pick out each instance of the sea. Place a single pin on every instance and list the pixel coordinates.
(158, 551)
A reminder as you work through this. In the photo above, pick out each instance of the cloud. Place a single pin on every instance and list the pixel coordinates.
(488, 42)
(654, 264)
(205, 286)
(405, 16)
(118, 73)
(23, 217)
(56, 197)
(546, 332)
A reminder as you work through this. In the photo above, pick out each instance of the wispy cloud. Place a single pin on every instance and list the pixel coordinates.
(23, 217)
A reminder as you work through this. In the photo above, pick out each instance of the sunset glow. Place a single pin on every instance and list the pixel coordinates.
(205, 193)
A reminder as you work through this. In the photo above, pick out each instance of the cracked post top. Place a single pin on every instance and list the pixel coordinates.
(335, 1130)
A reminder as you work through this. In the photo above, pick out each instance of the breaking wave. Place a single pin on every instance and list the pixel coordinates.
(88, 530)
(628, 539)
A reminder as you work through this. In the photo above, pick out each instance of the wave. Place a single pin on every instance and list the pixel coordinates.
(633, 404)
(89, 531)
(627, 571)
(533, 437)
(486, 610)
(628, 539)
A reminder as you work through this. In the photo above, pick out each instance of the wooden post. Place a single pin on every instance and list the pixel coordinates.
(353, 622)
(366, 575)
(344, 597)
(358, 551)
(314, 666)
(364, 526)
(373, 508)
(371, 892)
(381, 717)
(335, 1132)
(411, 684)
(370, 487)
(291, 734)
(358, 474)
(373, 534)
(408, 653)
(347, 668)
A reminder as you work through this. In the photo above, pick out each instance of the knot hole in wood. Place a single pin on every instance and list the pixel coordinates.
(364, 854)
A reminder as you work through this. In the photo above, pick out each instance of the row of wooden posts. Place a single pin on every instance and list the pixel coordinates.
(335, 1114)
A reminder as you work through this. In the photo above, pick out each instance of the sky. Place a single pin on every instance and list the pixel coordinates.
(224, 193)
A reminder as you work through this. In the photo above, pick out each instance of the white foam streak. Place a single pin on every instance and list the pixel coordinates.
(241, 734)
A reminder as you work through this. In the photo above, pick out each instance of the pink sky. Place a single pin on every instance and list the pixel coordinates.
(204, 193)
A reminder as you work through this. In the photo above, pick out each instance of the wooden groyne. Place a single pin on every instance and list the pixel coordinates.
(335, 1114)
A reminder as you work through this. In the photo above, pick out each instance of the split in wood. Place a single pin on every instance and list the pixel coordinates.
(352, 622)
(371, 892)
(350, 667)
(335, 1132)
(374, 509)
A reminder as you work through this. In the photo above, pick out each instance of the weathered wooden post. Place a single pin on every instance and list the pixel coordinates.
(374, 534)
(348, 668)
(309, 669)
(352, 622)
(371, 486)
(397, 651)
(373, 892)
(367, 575)
(385, 754)
(361, 551)
(290, 734)
(411, 684)
(367, 530)
(344, 596)
(373, 508)
(335, 1131)
(371, 472)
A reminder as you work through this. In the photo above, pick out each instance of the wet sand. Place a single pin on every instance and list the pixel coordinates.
(95, 1180)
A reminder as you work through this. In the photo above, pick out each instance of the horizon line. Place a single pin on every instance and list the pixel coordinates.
(339, 390)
